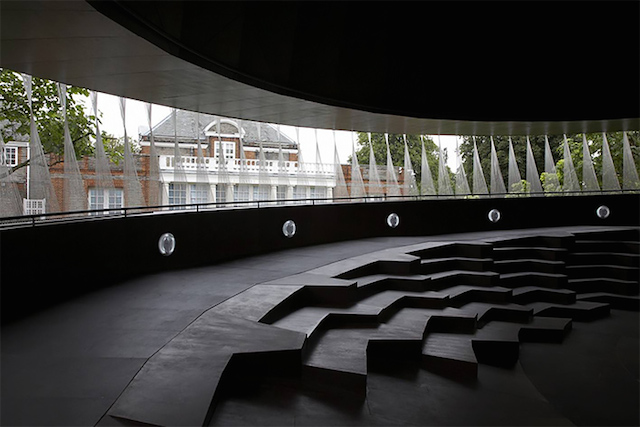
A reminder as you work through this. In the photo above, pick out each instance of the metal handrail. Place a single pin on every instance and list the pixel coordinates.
(97, 214)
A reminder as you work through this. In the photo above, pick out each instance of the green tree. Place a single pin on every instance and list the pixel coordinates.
(15, 116)
(396, 148)
(556, 144)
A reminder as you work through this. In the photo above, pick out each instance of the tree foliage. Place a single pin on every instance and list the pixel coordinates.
(556, 144)
(49, 117)
(396, 148)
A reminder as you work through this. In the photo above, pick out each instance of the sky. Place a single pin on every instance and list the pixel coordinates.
(136, 119)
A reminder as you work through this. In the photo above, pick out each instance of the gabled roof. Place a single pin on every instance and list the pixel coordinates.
(188, 130)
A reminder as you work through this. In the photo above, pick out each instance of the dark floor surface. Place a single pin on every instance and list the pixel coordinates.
(582, 381)
(68, 364)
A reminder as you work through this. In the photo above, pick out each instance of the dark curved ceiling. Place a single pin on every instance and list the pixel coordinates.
(427, 67)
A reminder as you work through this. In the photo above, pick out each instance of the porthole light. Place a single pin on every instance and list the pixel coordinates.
(603, 212)
(494, 215)
(393, 220)
(289, 228)
(167, 244)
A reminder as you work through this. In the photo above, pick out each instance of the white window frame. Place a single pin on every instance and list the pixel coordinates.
(107, 198)
(317, 192)
(34, 206)
(241, 193)
(300, 192)
(229, 149)
(198, 193)
(9, 156)
(261, 192)
(177, 193)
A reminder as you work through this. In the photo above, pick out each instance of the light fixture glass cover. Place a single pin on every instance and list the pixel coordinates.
(603, 212)
(166, 244)
(289, 228)
(494, 215)
(393, 220)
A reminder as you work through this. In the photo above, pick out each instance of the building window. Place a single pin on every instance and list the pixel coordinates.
(261, 192)
(34, 206)
(9, 156)
(299, 192)
(241, 193)
(229, 148)
(317, 192)
(105, 198)
(281, 194)
(199, 193)
(177, 194)
(221, 193)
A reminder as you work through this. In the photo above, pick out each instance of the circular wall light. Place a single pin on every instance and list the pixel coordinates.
(393, 220)
(289, 228)
(494, 215)
(166, 244)
(603, 212)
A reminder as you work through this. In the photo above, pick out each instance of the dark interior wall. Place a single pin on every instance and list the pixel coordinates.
(42, 265)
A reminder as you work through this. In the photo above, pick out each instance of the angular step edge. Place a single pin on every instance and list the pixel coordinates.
(536, 241)
(438, 265)
(510, 252)
(332, 381)
(529, 264)
(455, 249)
(496, 352)
(543, 280)
(603, 270)
(621, 302)
(581, 311)
(462, 277)
(546, 329)
(611, 258)
(531, 294)
(450, 355)
(603, 284)
(607, 246)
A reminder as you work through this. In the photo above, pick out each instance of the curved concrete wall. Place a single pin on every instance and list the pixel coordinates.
(42, 265)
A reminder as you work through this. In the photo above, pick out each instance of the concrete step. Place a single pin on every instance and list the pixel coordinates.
(533, 265)
(580, 311)
(621, 302)
(613, 246)
(528, 278)
(550, 241)
(603, 270)
(609, 258)
(437, 265)
(513, 252)
(529, 294)
(604, 284)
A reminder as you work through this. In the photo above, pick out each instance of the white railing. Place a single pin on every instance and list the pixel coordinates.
(252, 166)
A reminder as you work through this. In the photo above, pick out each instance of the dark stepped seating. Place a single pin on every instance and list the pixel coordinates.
(529, 294)
(605, 262)
(603, 270)
(533, 265)
(580, 311)
(539, 253)
(610, 258)
(621, 302)
(603, 284)
(612, 246)
(527, 278)
(446, 306)
(438, 265)
(557, 242)
(454, 250)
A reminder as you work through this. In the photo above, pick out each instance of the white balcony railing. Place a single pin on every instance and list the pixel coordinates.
(252, 166)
